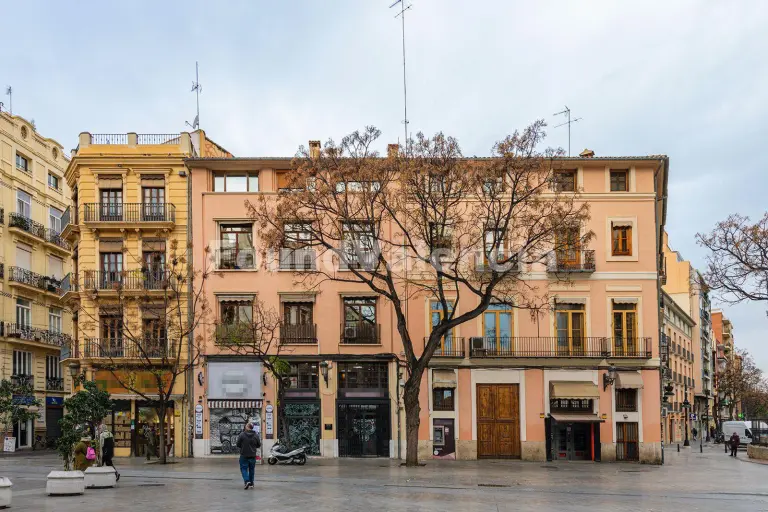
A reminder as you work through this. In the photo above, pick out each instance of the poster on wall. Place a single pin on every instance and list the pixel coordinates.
(226, 425)
(9, 445)
(234, 381)
(198, 421)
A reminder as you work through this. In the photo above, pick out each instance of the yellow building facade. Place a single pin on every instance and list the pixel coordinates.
(34, 258)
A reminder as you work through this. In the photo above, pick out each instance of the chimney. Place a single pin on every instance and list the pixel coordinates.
(587, 153)
(393, 150)
(314, 149)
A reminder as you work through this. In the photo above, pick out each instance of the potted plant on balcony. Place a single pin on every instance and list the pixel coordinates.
(85, 409)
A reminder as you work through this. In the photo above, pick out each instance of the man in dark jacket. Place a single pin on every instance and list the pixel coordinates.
(735, 440)
(249, 443)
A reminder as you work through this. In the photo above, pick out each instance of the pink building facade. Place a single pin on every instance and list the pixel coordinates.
(580, 381)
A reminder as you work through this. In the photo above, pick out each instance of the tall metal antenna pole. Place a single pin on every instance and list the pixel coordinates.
(401, 14)
(9, 92)
(569, 122)
(197, 89)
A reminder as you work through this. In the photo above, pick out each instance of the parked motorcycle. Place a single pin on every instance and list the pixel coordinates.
(719, 437)
(280, 453)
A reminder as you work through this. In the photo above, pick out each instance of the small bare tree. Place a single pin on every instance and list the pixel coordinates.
(426, 222)
(158, 308)
(739, 379)
(737, 265)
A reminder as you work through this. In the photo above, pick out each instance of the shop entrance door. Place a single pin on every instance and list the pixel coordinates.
(147, 436)
(573, 441)
(363, 429)
(498, 421)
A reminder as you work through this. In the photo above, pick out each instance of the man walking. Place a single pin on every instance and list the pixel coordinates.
(735, 440)
(249, 443)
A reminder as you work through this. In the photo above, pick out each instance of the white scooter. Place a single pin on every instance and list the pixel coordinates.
(280, 453)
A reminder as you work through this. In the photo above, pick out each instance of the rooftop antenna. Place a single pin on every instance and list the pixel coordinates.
(401, 15)
(9, 92)
(196, 88)
(569, 122)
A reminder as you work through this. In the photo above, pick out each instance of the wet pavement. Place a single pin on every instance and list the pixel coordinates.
(688, 481)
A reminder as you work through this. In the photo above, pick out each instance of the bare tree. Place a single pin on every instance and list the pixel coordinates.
(737, 265)
(157, 307)
(739, 379)
(429, 223)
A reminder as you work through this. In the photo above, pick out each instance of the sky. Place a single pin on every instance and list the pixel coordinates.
(686, 78)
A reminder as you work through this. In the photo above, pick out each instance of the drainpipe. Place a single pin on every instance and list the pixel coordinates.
(190, 317)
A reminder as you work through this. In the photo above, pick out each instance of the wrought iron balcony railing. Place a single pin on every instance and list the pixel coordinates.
(2, 270)
(303, 334)
(360, 334)
(572, 261)
(54, 384)
(29, 278)
(54, 237)
(129, 212)
(16, 220)
(122, 348)
(128, 280)
(26, 332)
(23, 380)
(297, 259)
(451, 346)
(579, 347)
(236, 259)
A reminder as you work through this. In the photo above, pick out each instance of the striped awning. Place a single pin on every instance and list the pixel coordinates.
(234, 404)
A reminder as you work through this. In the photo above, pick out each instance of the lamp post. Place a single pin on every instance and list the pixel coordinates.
(687, 408)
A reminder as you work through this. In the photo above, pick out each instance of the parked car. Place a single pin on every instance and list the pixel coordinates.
(742, 428)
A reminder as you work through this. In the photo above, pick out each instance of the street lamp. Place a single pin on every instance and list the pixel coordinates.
(687, 406)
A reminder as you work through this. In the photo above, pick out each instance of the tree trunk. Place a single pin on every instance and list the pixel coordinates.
(282, 425)
(412, 420)
(162, 432)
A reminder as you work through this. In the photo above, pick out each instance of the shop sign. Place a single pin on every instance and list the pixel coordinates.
(198, 421)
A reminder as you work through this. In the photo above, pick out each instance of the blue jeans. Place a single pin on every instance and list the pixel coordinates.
(247, 466)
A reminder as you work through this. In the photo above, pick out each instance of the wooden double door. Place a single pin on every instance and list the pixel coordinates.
(498, 421)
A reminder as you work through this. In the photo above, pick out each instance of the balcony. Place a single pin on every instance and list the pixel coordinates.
(23, 380)
(501, 265)
(585, 347)
(128, 280)
(27, 333)
(69, 223)
(235, 334)
(297, 259)
(451, 346)
(26, 225)
(236, 259)
(119, 348)
(33, 279)
(54, 384)
(54, 237)
(129, 213)
(305, 334)
(582, 261)
(360, 334)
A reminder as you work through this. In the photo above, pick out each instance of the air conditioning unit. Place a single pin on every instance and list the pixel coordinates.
(477, 343)
(350, 331)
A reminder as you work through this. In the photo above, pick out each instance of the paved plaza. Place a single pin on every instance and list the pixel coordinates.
(689, 481)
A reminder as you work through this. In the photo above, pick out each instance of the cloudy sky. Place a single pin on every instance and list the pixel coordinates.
(684, 78)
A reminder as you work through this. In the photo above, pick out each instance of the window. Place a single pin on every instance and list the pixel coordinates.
(297, 313)
(360, 321)
(24, 256)
(154, 329)
(442, 399)
(111, 207)
(497, 328)
(626, 400)
(622, 240)
(296, 234)
(493, 186)
(569, 325)
(570, 405)
(154, 263)
(153, 207)
(494, 245)
(23, 204)
(22, 362)
(359, 244)
(437, 313)
(111, 335)
(54, 181)
(565, 181)
(236, 182)
(619, 181)
(54, 320)
(440, 235)
(54, 219)
(363, 375)
(304, 376)
(23, 313)
(357, 186)
(236, 312)
(624, 328)
(568, 246)
(52, 368)
(236, 250)
(22, 163)
(55, 267)
(296, 253)
(111, 268)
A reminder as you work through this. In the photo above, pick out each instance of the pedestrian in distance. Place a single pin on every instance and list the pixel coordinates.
(85, 455)
(249, 443)
(735, 440)
(695, 432)
(107, 449)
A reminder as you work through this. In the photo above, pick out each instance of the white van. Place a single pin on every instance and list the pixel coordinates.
(742, 428)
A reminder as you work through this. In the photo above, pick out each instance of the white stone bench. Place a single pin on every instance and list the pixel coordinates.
(5, 492)
(100, 477)
(65, 483)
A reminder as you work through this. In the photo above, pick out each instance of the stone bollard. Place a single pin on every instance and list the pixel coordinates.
(5, 492)
(65, 483)
(678, 447)
(102, 477)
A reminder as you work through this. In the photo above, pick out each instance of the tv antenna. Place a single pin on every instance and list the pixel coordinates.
(401, 15)
(9, 92)
(197, 89)
(569, 122)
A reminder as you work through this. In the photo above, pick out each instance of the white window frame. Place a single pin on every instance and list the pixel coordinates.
(54, 219)
(53, 367)
(54, 320)
(58, 181)
(26, 312)
(22, 362)
(26, 167)
(24, 205)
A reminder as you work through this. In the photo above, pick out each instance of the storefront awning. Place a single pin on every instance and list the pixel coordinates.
(573, 390)
(443, 379)
(577, 418)
(629, 380)
(234, 404)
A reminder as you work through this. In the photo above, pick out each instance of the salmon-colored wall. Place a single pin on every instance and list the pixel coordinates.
(534, 405)
(465, 404)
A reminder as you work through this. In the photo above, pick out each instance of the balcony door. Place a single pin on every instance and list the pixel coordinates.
(569, 324)
(153, 203)
(111, 336)
(236, 246)
(568, 246)
(360, 321)
(298, 322)
(23, 313)
(437, 313)
(111, 208)
(624, 328)
(155, 335)
(497, 328)
(23, 204)
(111, 268)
